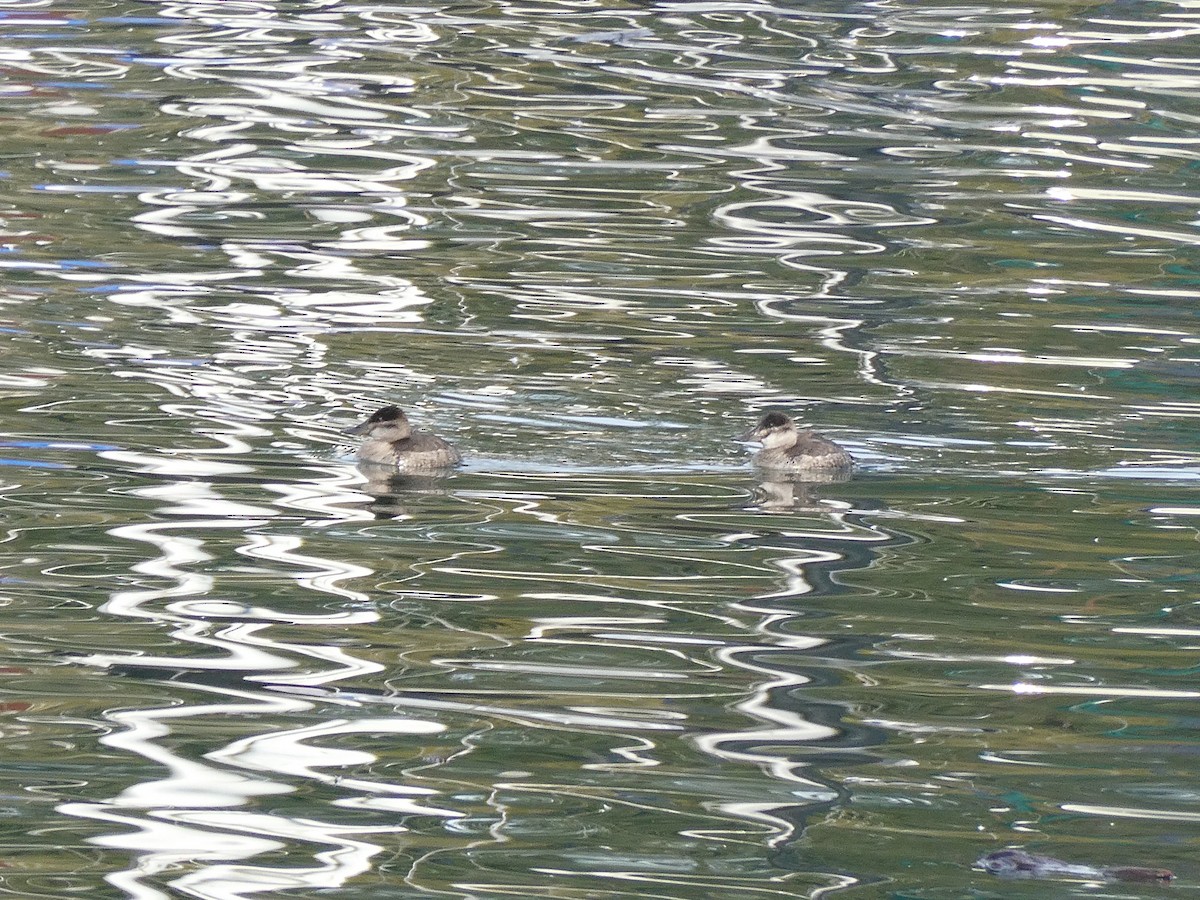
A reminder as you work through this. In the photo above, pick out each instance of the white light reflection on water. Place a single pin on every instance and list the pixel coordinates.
(289, 753)
(781, 732)
(175, 818)
(346, 857)
(1024, 687)
(1120, 812)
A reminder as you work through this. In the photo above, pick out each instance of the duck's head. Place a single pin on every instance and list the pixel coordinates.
(388, 424)
(773, 430)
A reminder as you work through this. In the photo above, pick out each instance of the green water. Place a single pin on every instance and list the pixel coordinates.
(590, 244)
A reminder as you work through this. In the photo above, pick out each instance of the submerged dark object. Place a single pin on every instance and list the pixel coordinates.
(1022, 864)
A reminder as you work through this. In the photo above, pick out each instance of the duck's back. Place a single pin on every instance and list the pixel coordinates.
(419, 452)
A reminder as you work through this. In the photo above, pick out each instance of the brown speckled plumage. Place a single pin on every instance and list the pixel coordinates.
(787, 448)
(392, 441)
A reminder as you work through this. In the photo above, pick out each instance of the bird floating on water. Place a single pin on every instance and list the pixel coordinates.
(787, 448)
(392, 441)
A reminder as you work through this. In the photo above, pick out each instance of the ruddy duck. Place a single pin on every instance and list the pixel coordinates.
(1021, 864)
(786, 448)
(391, 441)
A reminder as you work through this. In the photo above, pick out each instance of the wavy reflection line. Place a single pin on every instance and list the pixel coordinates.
(289, 752)
(1124, 812)
(670, 609)
(780, 729)
(1162, 234)
(346, 858)
(190, 785)
(1024, 687)
(163, 847)
(247, 648)
(175, 553)
(759, 745)
(533, 718)
(656, 885)
(201, 795)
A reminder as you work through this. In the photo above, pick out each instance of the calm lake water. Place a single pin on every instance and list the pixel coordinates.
(589, 243)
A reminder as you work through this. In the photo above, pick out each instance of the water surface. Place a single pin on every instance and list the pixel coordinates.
(589, 243)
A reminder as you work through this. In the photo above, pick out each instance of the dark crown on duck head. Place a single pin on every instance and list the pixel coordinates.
(774, 420)
(768, 424)
(387, 414)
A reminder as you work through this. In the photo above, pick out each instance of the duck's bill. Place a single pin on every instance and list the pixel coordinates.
(355, 429)
(748, 437)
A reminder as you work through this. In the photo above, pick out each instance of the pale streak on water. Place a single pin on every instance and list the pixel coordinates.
(589, 244)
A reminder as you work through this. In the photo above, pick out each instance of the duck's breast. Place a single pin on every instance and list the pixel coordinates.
(811, 453)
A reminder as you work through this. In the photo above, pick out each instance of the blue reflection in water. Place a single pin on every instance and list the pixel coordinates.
(32, 463)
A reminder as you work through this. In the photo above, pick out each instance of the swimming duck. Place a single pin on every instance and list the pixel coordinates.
(1022, 864)
(787, 448)
(392, 441)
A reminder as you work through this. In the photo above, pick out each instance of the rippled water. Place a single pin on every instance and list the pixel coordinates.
(589, 244)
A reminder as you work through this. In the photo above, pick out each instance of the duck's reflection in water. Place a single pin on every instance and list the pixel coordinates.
(782, 492)
(392, 492)
(804, 721)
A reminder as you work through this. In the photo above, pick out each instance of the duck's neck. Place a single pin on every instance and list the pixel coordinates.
(781, 440)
